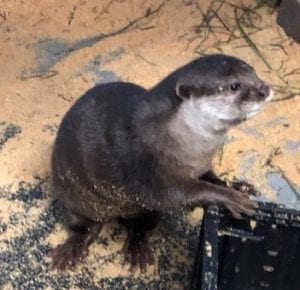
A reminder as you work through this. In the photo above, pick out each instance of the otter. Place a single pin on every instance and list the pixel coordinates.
(127, 153)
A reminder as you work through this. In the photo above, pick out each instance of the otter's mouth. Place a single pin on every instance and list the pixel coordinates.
(233, 122)
(253, 113)
(270, 96)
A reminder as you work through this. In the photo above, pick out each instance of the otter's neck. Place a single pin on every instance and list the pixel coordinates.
(192, 124)
(177, 129)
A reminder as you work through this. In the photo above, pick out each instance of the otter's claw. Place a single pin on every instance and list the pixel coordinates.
(239, 203)
(244, 187)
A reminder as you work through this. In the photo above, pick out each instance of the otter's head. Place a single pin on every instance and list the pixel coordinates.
(222, 90)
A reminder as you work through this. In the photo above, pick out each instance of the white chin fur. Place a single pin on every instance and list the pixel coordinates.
(258, 107)
(253, 109)
(253, 113)
(200, 117)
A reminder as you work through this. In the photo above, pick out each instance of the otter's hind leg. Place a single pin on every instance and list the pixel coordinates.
(137, 249)
(83, 232)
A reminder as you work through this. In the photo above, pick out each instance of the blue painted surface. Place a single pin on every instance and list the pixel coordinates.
(279, 121)
(292, 146)
(286, 193)
(112, 55)
(8, 131)
(101, 76)
(251, 131)
(247, 162)
(94, 67)
(50, 51)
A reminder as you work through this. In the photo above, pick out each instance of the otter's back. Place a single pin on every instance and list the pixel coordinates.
(96, 132)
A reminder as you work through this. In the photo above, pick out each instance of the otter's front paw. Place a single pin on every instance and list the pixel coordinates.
(239, 203)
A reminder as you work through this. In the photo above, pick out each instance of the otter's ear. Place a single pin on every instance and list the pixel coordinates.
(183, 91)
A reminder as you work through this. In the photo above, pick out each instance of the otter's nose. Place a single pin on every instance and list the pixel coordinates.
(263, 91)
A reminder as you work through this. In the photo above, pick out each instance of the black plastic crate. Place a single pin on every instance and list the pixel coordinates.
(253, 253)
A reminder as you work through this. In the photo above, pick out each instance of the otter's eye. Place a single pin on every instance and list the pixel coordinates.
(235, 87)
